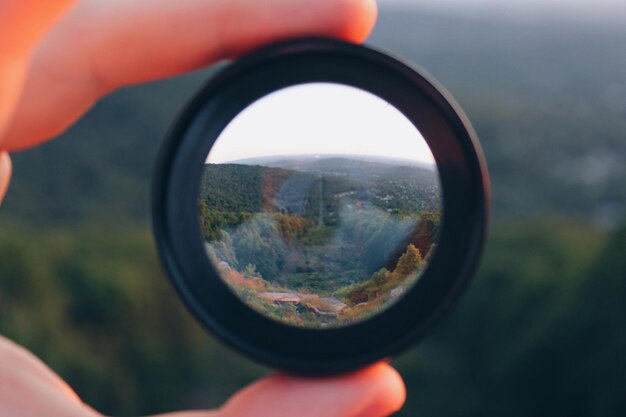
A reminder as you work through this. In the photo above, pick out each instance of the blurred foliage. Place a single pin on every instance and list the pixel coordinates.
(540, 332)
(93, 303)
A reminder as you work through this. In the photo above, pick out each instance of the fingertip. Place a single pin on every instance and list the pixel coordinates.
(5, 174)
(350, 20)
(388, 390)
(359, 17)
(376, 391)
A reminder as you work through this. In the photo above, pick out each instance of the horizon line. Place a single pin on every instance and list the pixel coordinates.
(319, 155)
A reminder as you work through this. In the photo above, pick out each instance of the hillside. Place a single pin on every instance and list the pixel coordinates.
(329, 241)
(227, 187)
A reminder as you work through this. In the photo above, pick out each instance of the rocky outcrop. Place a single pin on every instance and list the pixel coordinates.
(324, 306)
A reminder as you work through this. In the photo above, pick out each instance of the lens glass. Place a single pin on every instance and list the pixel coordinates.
(320, 205)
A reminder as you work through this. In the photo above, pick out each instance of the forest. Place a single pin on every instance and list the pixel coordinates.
(540, 329)
(327, 242)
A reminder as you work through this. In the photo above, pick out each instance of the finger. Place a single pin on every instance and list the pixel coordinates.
(184, 35)
(23, 22)
(373, 392)
(116, 43)
(24, 366)
(30, 388)
(5, 174)
(17, 358)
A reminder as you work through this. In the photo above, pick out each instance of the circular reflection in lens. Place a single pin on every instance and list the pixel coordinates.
(320, 205)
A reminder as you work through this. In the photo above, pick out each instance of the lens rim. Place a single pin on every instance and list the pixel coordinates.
(465, 190)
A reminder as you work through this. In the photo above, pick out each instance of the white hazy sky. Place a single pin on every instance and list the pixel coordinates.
(320, 119)
(579, 9)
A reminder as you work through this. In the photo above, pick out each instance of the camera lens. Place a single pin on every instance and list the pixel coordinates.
(320, 205)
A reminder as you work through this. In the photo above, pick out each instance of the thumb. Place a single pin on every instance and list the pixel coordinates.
(377, 391)
(373, 392)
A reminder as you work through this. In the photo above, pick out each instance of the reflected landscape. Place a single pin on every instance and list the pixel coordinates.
(320, 240)
(324, 240)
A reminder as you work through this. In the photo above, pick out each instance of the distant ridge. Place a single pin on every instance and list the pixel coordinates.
(293, 161)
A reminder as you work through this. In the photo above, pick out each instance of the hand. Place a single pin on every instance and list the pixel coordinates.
(29, 388)
(101, 45)
(53, 69)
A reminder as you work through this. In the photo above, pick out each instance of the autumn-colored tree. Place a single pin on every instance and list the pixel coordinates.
(410, 261)
(292, 226)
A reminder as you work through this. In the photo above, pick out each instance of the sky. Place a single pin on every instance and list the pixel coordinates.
(585, 10)
(318, 119)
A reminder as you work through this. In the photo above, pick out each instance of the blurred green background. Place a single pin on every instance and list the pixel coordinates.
(542, 329)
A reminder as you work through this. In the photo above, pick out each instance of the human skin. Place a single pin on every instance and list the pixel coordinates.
(58, 57)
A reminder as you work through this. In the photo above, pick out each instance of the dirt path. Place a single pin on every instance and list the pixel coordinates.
(325, 306)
